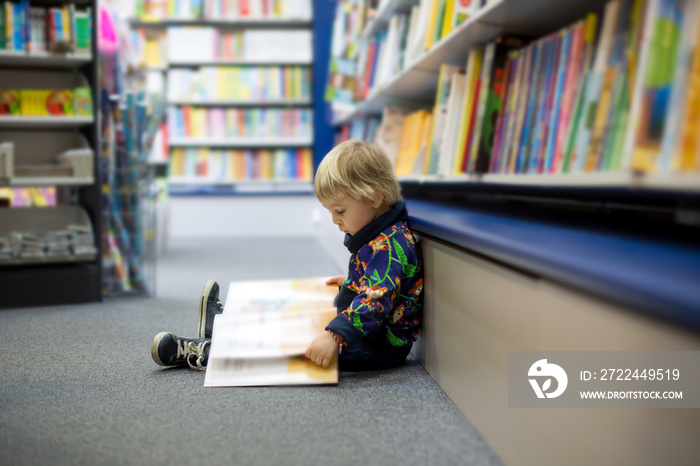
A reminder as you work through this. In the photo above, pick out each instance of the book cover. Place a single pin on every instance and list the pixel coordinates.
(472, 73)
(417, 40)
(591, 26)
(410, 142)
(679, 92)
(440, 20)
(2, 26)
(264, 330)
(447, 73)
(388, 135)
(619, 116)
(615, 63)
(511, 156)
(534, 89)
(432, 23)
(555, 110)
(9, 102)
(656, 86)
(506, 111)
(569, 93)
(463, 10)
(452, 119)
(448, 20)
(410, 31)
(544, 104)
(687, 157)
(594, 85)
(482, 102)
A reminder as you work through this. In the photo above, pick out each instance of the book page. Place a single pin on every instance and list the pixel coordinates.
(264, 330)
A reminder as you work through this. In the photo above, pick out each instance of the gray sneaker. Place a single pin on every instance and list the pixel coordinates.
(170, 350)
(209, 306)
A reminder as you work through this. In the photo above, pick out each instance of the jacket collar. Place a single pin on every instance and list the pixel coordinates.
(397, 213)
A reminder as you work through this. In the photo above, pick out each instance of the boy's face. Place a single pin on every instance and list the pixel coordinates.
(350, 214)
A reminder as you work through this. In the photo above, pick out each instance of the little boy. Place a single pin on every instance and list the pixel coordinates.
(380, 300)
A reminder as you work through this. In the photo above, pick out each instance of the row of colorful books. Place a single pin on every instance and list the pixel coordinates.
(254, 123)
(360, 64)
(46, 102)
(566, 103)
(212, 165)
(57, 29)
(228, 9)
(247, 83)
(202, 44)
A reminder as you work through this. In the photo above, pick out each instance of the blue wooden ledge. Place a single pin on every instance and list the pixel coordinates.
(646, 274)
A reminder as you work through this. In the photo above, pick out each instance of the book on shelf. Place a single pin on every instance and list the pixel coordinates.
(652, 116)
(388, 135)
(264, 330)
(445, 79)
(452, 119)
(467, 119)
(413, 142)
(493, 79)
(686, 155)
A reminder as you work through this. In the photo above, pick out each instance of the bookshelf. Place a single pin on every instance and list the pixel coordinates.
(235, 82)
(54, 275)
(414, 87)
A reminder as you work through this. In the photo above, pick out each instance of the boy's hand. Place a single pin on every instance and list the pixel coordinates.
(337, 280)
(322, 349)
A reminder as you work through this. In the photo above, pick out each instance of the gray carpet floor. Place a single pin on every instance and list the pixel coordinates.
(78, 385)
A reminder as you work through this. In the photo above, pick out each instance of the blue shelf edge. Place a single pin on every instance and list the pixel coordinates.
(654, 277)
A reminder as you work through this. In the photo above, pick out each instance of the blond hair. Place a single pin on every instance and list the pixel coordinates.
(359, 169)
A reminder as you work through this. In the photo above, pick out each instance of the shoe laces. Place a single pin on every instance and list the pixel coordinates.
(220, 306)
(189, 350)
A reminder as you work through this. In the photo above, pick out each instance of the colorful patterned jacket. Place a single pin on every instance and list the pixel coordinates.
(381, 298)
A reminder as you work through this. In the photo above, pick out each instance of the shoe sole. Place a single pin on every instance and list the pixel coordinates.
(154, 348)
(203, 308)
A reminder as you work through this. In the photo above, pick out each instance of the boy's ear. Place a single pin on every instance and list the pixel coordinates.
(378, 200)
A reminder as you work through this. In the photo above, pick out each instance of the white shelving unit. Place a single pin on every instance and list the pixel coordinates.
(235, 24)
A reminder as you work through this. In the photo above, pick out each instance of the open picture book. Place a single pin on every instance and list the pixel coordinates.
(264, 330)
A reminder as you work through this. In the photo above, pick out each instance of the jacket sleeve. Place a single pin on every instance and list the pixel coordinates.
(376, 290)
